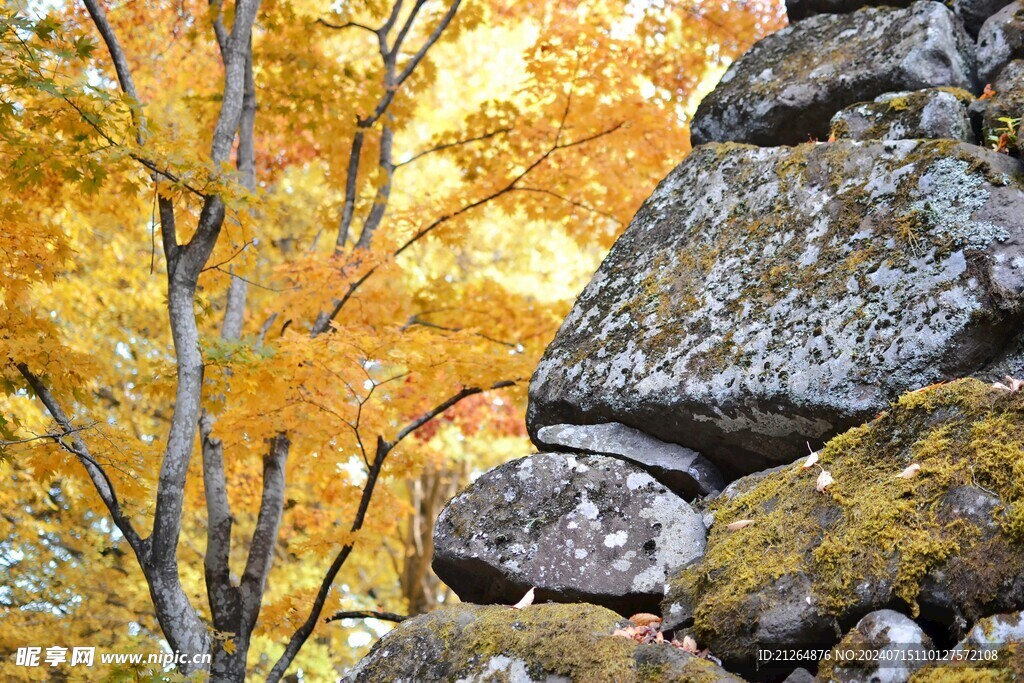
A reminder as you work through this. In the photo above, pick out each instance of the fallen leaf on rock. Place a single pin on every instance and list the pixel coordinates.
(1009, 384)
(689, 645)
(739, 524)
(910, 472)
(810, 461)
(526, 600)
(646, 619)
(824, 481)
(642, 634)
(988, 93)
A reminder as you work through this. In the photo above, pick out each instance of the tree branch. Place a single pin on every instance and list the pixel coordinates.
(222, 595)
(300, 636)
(367, 614)
(77, 447)
(449, 145)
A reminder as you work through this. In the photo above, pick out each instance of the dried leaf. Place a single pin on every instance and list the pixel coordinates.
(910, 472)
(689, 645)
(989, 92)
(810, 461)
(824, 481)
(1009, 384)
(526, 601)
(646, 619)
(739, 524)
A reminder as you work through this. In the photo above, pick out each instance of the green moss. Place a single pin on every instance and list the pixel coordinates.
(897, 104)
(870, 525)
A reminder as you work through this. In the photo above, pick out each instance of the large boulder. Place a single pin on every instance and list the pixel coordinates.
(1001, 40)
(786, 88)
(684, 471)
(943, 541)
(576, 527)
(542, 643)
(763, 298)
(935, 113)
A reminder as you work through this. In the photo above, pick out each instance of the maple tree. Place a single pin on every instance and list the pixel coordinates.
(319, 246)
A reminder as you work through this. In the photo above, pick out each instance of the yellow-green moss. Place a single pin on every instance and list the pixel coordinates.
(870, 525)
(571, 640)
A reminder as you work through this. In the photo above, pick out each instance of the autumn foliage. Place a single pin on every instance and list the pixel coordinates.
(276, 274)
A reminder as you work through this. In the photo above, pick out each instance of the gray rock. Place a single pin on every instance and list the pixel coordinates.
(787, 87)
(974, 13)
(801, 9)
(762, 298)
(684, 471)
(578, 528)
(811, 562)
(539, 644)
(1001, 40)
(884, 647)
(936, 113)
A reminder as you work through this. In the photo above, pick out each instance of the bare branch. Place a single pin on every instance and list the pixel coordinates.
(366, 614)
(568, 200)
(449, 145)
(347, 24)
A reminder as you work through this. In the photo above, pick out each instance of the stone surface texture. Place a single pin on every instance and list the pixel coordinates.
(762, 298)
(974, 13)
(578, 528)
(797, 10)
(684, 471)
(785, 89)
(936, 113)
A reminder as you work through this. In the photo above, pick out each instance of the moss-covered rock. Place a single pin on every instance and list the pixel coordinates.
(540, 643)
(764, 298)
(787, 87)
(946, 545)
(935, 113)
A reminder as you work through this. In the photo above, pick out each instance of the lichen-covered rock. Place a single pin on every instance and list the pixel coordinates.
(764, 298)
(542, 643)
(974, 13)
(1001, 40)
(578, 528)
(935, 113)
(1004, 110)
(787, 87)
(884, 647)
(684, 471)
(872, 539)
(801, 9)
